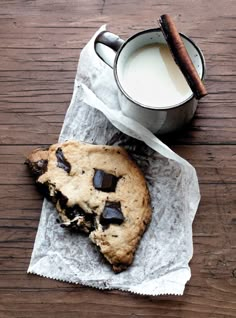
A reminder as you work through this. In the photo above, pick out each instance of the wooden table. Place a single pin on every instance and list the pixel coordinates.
(40, 43)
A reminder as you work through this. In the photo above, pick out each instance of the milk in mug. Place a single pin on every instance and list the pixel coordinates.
(151, 77)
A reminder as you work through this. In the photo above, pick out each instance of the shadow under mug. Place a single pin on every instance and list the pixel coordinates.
(162, 119)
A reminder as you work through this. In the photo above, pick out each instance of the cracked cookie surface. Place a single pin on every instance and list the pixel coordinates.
(98, 190)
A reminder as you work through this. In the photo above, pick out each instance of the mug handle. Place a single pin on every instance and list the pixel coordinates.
(106, 45)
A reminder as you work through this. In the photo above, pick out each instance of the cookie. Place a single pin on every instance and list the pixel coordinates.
(98, 190)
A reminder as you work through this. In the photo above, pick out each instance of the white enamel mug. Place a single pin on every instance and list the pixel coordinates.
(162, 119)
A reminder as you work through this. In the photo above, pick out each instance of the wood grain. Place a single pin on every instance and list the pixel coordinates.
(40, 44)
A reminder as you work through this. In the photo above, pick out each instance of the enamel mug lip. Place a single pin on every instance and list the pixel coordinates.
(148, 106)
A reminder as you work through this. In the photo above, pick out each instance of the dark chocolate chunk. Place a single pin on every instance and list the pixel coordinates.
(86, 224)
(37, 168)
(72, 212)
(61, 161)
(62, 199)
(104, 181)
(44, 189)
(112, 214)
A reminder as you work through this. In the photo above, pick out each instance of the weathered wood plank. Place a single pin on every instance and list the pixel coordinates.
(40, 43)
(39, 131)
(89, 303)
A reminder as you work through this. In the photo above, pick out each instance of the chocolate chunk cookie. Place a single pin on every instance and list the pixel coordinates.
(98, 190)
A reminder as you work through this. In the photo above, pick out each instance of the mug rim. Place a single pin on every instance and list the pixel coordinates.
(148, 106)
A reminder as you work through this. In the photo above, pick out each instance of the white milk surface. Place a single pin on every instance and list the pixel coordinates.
(151, 77)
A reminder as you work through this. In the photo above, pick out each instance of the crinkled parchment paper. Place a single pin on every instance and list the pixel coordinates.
(161, 261)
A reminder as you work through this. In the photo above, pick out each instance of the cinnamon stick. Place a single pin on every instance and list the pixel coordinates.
(181, 56)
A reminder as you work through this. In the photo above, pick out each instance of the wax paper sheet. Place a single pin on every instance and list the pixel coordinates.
(161, 260)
